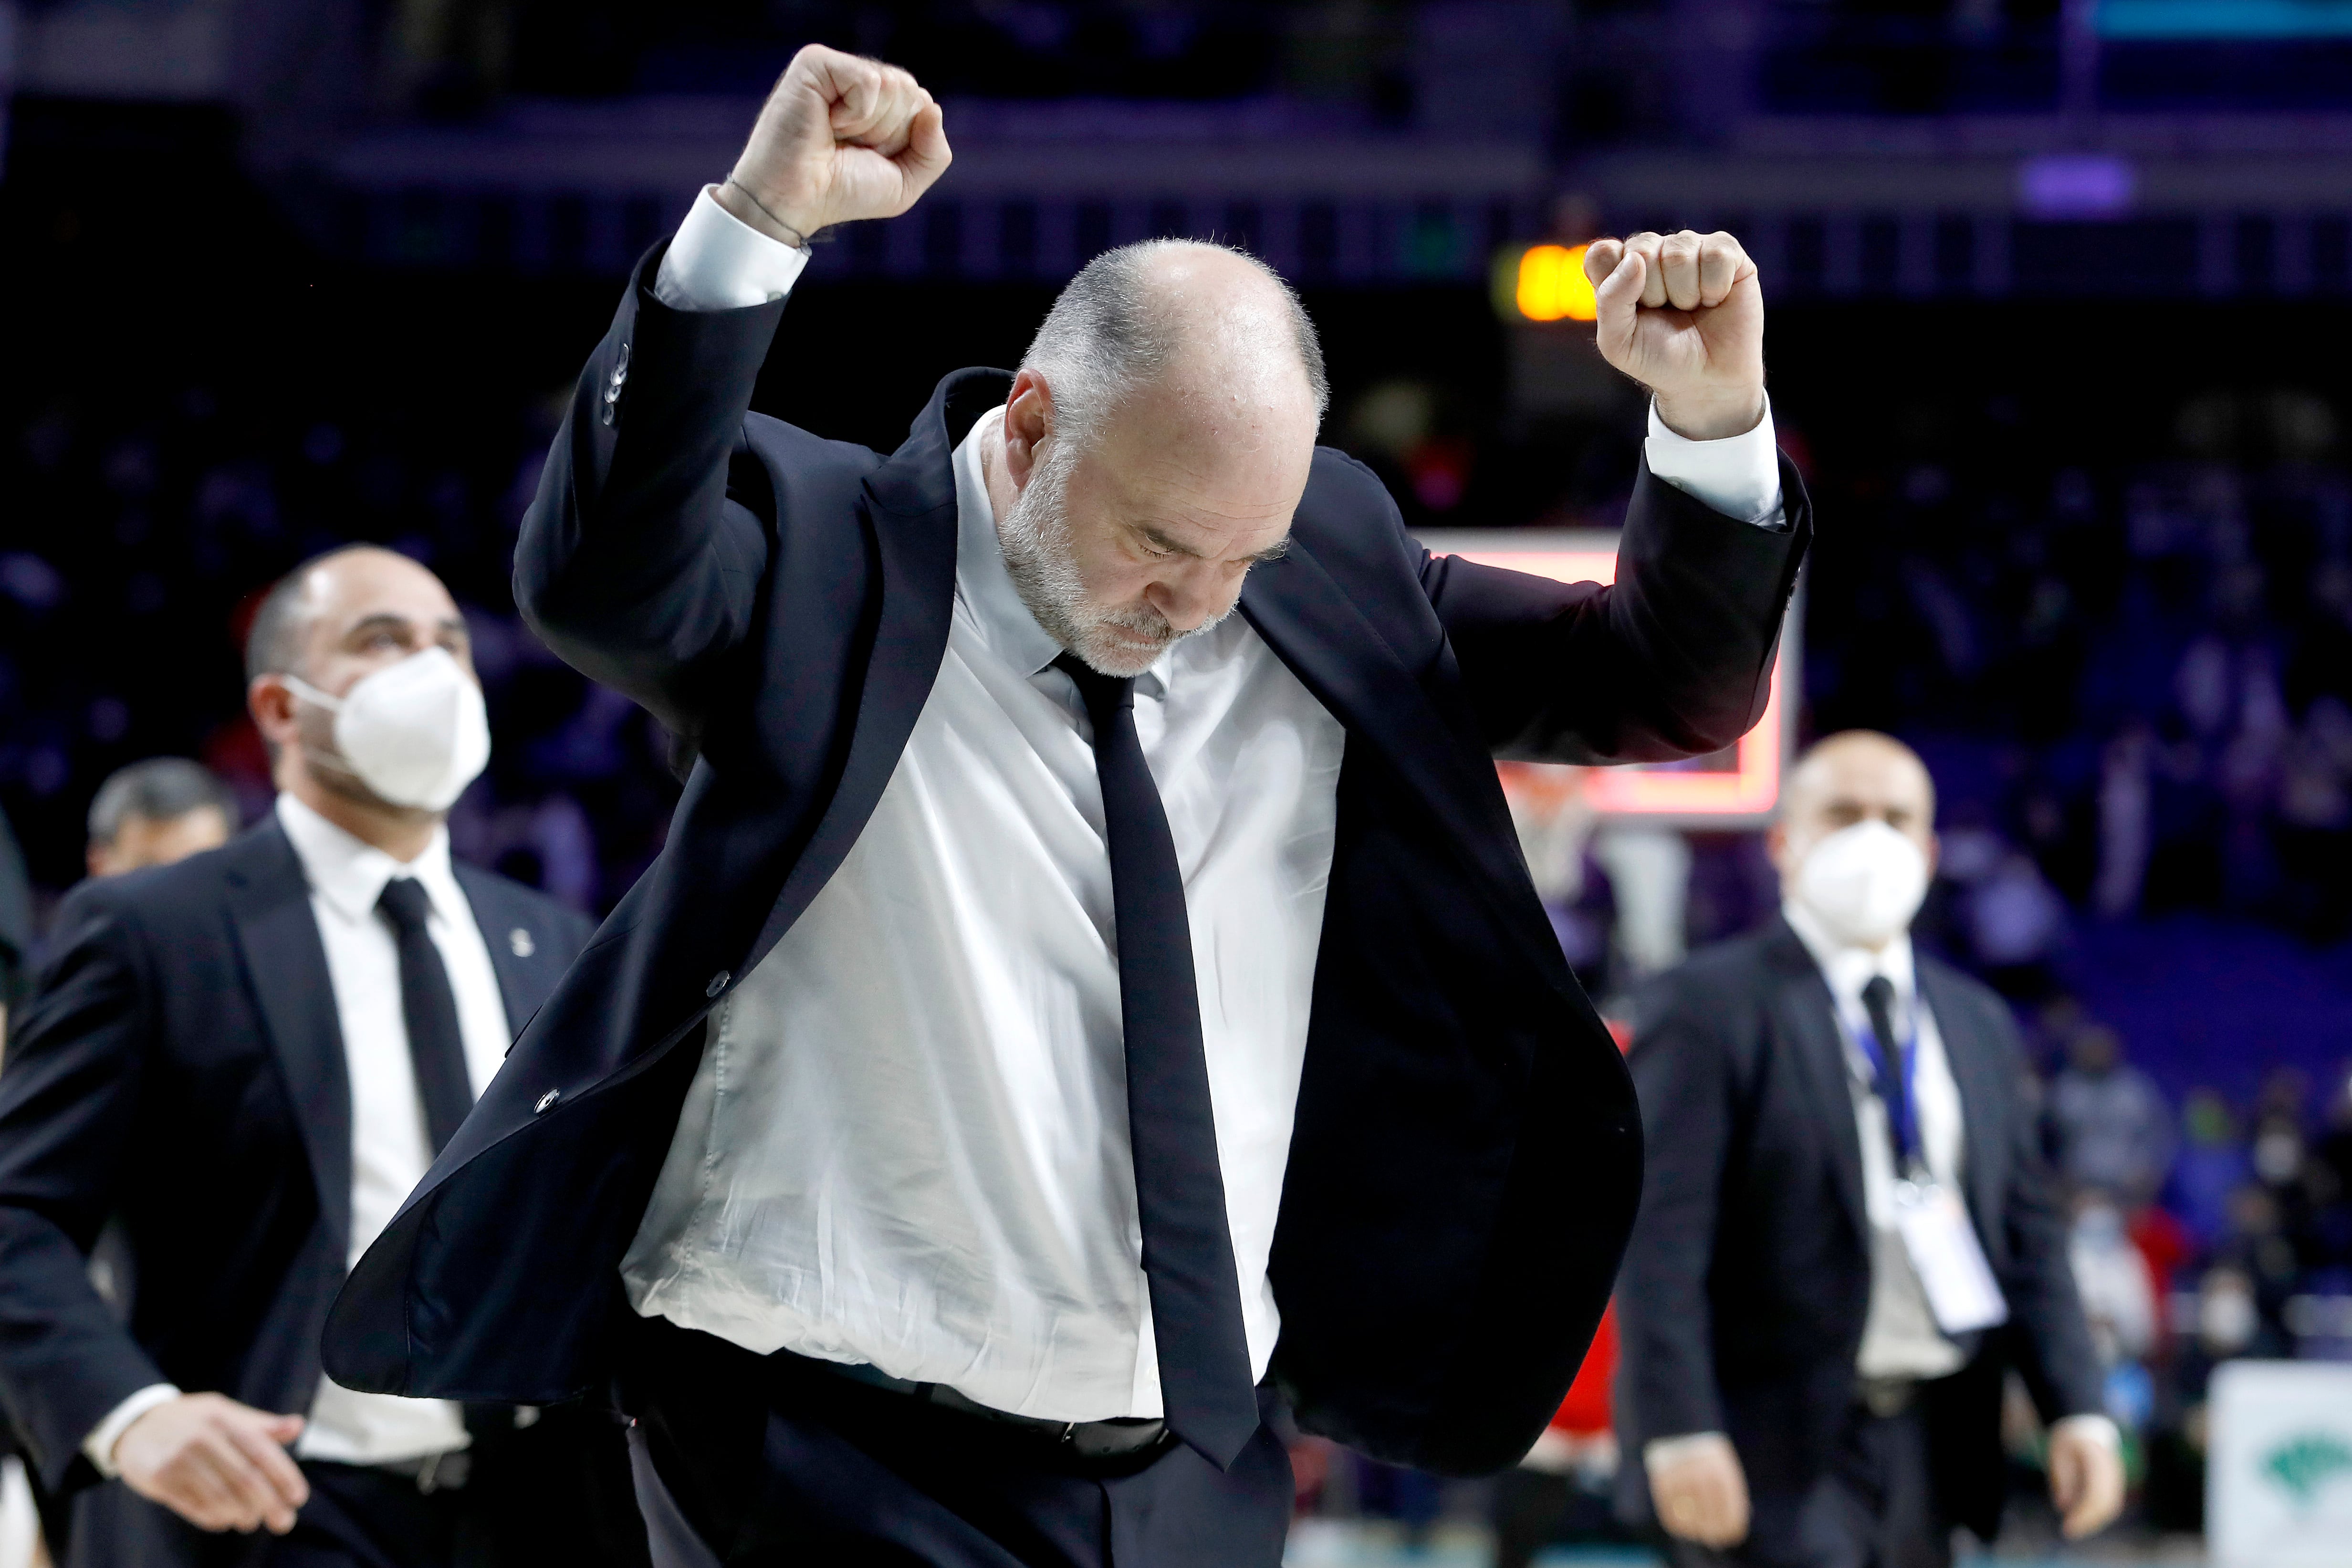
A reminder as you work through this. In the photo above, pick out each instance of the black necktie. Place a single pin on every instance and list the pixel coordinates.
(1894, 1081)
(435, 1044)
(1179, 1193)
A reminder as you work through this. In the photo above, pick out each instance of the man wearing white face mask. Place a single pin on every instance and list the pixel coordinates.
(250, 1056)
(1847, 1234)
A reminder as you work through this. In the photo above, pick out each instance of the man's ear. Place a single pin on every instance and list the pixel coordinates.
(1935, 852)
(1028, 421)
(271, 702)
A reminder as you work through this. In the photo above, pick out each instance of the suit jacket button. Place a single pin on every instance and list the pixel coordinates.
(550, 1097)
(718, 983)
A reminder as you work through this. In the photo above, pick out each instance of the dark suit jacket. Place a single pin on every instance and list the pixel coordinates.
(1466, 1155)
(180, 1067)
(1745, 1287)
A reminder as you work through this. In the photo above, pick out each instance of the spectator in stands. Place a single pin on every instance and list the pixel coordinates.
(2257, 1246)
(2212, 1165)
(2115, 1131)
(1799, 1385)
(156, 812)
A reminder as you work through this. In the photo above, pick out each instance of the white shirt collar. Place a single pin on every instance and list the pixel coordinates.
(1848, 969)
(984, 583)
(351, 874)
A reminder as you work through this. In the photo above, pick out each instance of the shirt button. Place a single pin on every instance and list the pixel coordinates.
(718, 983)
(550, 1097)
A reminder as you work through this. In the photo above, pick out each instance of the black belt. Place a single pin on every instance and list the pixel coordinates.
(1120, 1437)
(434, 1473)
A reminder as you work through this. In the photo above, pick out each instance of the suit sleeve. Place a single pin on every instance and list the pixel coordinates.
(69, 1098)
(1681, 1063)
(640, 558)
(2050, 1340)
(1673, 660)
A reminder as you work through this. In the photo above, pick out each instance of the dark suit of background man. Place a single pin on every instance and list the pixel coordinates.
(248, 1057)
(1036, 1008)
(1785, 1381)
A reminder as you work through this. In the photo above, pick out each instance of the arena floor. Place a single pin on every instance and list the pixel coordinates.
(1332, 1543)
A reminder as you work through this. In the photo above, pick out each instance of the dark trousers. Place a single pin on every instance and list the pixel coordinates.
(1873, 1507)
(356, 1518)
(748, 1461)
(556, 1493)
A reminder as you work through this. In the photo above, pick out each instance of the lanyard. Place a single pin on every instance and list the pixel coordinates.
(1897, 1091)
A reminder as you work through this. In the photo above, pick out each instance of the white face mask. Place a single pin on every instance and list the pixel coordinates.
(415, 733)
(1864, 883)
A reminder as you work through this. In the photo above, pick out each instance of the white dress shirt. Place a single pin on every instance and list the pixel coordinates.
(907, 1142)
(1899, 1338)
(390, 1149)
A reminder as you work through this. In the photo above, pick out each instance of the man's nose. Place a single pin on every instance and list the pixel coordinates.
(1188, 598)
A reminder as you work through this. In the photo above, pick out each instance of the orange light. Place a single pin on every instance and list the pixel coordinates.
(1752, 790)
(1553, 285)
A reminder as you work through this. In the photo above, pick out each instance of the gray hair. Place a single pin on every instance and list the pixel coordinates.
(1107, 335)
(160, 789)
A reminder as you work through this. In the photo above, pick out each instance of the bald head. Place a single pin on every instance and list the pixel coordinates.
(1856, 775)
(1185, 327)
(355, 583)
(1156, 443)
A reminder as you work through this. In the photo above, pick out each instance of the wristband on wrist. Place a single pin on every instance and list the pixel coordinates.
(799, 240)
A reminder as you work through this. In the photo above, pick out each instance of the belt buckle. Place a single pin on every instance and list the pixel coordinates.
(1888, 1397)
(449, 1468)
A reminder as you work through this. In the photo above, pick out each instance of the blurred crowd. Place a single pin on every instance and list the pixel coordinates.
(158, 520)
(2144, 665)
(2203, 1232)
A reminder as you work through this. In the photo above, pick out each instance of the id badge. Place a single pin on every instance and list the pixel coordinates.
(1958, 1283)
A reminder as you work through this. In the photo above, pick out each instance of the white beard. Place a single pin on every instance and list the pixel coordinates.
(1035, 534)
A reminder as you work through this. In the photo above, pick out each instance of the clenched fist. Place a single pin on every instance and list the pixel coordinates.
(841, 138)
(1681, 314)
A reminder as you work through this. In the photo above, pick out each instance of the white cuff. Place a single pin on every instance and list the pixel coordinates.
(1659, 1452)
(1738, 476)
(716, 262)
(100, 1444)
(2102, 1427)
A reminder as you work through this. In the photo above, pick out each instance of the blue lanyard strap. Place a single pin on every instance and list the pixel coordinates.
(1897, 1091)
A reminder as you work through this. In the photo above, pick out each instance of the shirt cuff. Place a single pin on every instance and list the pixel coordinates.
(1662, 1451)
(100, 1444)
(1738, 476)
(2103, 1429)
(716, 262)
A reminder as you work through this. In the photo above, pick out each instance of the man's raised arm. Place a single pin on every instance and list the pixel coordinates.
(1675, 658)
(637, 564)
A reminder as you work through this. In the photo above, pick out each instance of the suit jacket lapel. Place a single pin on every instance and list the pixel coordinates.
(1325, 638)
(911, 515)
(1808, 1019)
(1978, 1080)
(286, 964)
(514, 942)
